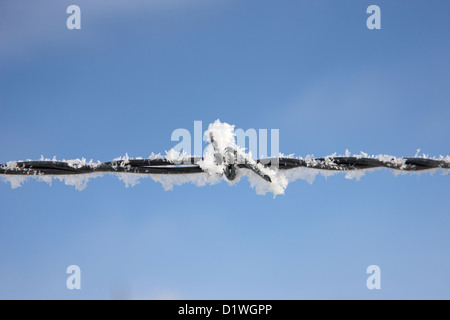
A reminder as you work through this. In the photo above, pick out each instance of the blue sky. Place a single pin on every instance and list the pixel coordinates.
(137, 70)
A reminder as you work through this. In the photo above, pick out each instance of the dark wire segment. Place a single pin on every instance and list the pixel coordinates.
(189, 166)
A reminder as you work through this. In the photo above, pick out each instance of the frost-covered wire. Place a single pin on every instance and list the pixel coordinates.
(190, 165)
(222, 159)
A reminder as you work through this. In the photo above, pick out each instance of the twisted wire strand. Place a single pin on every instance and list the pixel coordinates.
(190, 165)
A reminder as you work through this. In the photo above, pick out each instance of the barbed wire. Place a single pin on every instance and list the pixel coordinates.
(191, 165)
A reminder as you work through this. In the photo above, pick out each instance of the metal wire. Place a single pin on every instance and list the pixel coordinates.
(190, 165)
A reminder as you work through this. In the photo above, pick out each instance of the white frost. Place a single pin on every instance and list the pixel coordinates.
(16, 181)
(130, 179)
(79, 181)
(170, 180)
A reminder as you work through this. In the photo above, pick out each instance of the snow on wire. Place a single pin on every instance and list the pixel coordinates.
(222, 160)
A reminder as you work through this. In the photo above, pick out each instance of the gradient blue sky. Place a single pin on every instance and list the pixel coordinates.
(137, 70)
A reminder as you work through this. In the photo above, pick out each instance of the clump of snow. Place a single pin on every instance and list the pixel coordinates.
(11, 165)
(220, 135)
(277, 186)
(176, 157)
(347, 153)
(124, 158)
(170, 180)
(16, 181)
(79, 181)
(417, 153)
(447, 160)
(392, 161)
(155, 156)
(46, 179)
(79, 163)
(130, 179)
(361, 155)
(357, 174)
(307, 174)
